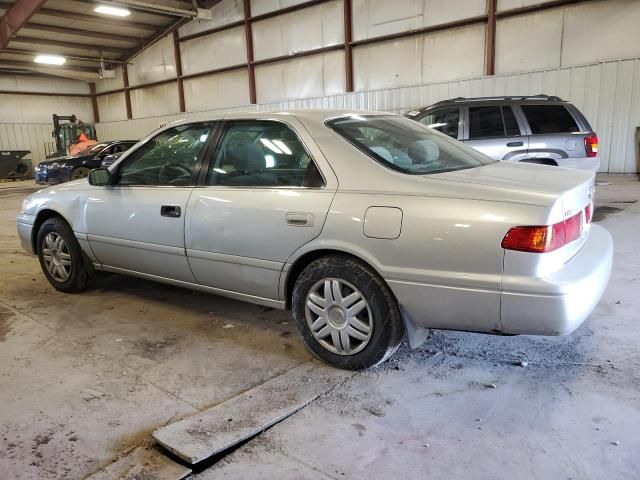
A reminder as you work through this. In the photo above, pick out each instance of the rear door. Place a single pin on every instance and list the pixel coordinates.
(495, 131)
(553, 132)
(266, 193)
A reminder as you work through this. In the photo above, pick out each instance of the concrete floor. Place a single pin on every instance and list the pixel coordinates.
(84, 379)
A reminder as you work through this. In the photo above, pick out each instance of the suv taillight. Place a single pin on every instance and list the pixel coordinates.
(591, 145)
(545, 238)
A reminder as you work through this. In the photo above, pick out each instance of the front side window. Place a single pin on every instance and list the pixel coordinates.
(445, 121)
(169, 158)
(405, 145)
(256, 153)
(549, 119)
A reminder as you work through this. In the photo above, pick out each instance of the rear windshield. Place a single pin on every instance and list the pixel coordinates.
(549, 119)
(405, 145)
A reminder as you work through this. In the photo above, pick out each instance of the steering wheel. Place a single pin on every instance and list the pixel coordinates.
(173, 173)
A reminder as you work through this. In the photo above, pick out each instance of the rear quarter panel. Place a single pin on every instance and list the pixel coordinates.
(445, 267)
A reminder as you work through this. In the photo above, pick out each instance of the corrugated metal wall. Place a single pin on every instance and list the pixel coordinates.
(26, 136)
(608, 93)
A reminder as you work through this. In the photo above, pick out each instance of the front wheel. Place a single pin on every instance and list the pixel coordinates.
(61, 257)
(346, 314)
(79, 172)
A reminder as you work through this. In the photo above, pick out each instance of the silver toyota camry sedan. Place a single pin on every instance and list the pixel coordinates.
(367, 225)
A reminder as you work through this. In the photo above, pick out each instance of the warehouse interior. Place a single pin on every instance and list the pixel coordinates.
(135, 379)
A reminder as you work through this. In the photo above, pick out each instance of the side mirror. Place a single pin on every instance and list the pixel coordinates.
(100, 177)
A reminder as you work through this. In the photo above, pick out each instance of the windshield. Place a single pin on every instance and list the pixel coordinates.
(405, 145)
(92, 149)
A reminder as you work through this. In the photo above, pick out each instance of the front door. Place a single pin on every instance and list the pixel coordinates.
(137, 224)
(264, 197)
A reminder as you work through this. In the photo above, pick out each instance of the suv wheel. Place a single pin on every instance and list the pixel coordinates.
(346, 314)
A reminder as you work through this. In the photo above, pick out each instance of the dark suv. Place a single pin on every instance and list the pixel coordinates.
(537, 129)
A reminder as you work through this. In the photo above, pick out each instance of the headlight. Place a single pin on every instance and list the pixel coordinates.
(25, 204)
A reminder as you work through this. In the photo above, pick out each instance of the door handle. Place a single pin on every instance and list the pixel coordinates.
(299, 219)
(515, 144)
(171, 211)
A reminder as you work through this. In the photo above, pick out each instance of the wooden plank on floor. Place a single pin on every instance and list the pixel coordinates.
(142, 463)
(201, 436)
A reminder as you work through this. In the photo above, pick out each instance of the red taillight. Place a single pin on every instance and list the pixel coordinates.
(544, 238)
(591, 145)
(588, 213)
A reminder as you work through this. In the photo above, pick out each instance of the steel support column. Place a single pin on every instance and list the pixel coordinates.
(249, 40)
(176, 49)
(490, 61)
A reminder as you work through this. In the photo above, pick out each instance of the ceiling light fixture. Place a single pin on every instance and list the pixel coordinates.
(116, 11)
(50, 59)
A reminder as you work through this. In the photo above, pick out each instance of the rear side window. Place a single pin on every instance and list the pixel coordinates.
(549, 119)
(485, 122)
(262, 154)
(492, 121)
(445, 121)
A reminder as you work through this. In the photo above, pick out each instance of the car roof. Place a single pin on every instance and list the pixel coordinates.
(301, 114)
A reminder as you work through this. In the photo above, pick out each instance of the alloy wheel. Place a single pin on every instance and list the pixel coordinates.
(338, 316)
(57, 257)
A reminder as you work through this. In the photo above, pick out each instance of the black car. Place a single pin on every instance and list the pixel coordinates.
(67, 168)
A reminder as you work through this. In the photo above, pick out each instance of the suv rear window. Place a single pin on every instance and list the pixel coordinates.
(549, 119)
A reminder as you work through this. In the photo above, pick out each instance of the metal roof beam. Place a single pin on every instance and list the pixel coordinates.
(118, 22)
(82, 33)
(76, 46)
(17, 15)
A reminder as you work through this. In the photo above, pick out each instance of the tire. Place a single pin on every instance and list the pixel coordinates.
(61, 257)
(79, 172)
(315, 309)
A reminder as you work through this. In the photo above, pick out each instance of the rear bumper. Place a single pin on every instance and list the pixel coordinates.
(586, 163)
(559, 303)
(24, 224)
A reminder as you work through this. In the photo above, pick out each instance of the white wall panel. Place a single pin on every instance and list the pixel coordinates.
(451, 54)
(223, 13)
(30, 137)
(307, 29)
(258, 7)
(510, 4)
(154, 64)
(218, 50)
(107, 84)
(528, 42)
(152, 101)
(316, 75)
(372, 18)
(39, 108)
(217, 91)
(112, 107)
(38, 84)
(605, 30)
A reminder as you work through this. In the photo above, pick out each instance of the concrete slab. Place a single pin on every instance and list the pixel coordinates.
(145, 463)
(201, 436)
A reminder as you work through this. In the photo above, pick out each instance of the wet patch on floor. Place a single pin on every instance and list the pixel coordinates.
(602, 212)
(5, 325)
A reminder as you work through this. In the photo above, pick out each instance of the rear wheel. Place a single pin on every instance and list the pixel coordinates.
(61, 258)
(79, 172)
(346, 314)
